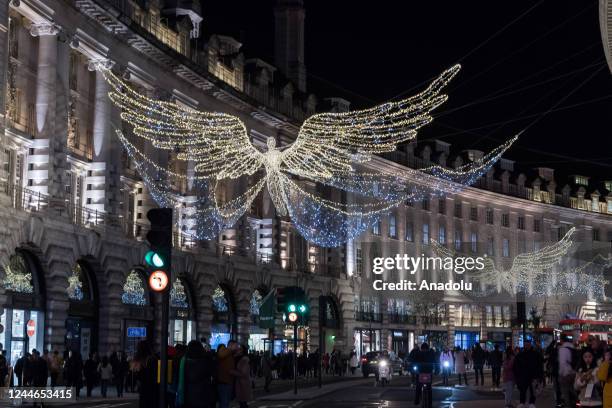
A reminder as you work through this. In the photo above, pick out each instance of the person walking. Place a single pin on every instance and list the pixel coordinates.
(354, 362)
(266, 371)
(73, 371)
(3, 368)
(120, 373)
(242, 383)
(478, 358)
(105, 371)
(90, 371)
(144, 366)
(40, 370)
(195, 382)
(460, 363)
(225, 365)
(604, 374)
(567, 373)
(508, 376)
(586, 382)
(496, 359)
(446, 362)
(55, 365)
(528, 369)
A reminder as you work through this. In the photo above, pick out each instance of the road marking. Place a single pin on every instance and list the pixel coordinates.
(295, 404)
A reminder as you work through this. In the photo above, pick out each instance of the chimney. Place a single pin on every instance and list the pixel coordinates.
(289, 40)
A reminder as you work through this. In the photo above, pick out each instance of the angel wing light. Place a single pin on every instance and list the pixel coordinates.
(532, 272)
(332, 152)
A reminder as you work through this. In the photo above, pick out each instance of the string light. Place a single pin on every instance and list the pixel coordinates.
(332, 150)
(535, 272)
(75, 284)
(133, 290)
(17, 278)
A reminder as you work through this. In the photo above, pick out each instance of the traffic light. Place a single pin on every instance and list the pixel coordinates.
(159, 256)
(293, 303)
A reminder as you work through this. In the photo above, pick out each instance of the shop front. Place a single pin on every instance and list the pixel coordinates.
(182, 314)
(137, 324)
(82, 322)
(366, 340)
(466, 339)
(258, 336)
(437, 339)
(23, 318)
(224, 318)
(402, 341)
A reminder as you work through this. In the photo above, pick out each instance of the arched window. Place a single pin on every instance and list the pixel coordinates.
(178, 297)
(79, 288)
(219, 300)
(134, 290)
(18, 278)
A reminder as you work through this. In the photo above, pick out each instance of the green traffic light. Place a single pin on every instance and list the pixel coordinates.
(303, 308)
(152, 258)
(292, 308)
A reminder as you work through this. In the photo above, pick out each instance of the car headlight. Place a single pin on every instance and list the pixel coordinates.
(383, 363)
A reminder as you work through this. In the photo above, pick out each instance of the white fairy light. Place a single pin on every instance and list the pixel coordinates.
(327, 151)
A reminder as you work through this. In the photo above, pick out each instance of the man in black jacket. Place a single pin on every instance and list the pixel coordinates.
(425, 361)
(528, 369)
(478, 357)
(496, 359)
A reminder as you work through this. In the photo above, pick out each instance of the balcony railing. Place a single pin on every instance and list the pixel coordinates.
(33, 201)
(402, 318)
(363, 316)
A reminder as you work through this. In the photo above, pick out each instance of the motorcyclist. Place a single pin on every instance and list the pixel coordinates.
(412, 356)
(425, 363)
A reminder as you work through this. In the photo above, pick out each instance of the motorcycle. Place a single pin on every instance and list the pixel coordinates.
(384, 372)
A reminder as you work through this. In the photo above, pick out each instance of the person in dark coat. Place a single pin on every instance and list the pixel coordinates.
(425, 361)
(73, 371)
(144, 366)
(40, 370)
(528, 368)
(21, 367)
(120, 372)
(478, 358)
(496, 359)
(242, 375)
(90, 371)
(196, 374)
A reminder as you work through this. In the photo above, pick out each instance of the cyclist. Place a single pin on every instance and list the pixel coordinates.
(425, 362)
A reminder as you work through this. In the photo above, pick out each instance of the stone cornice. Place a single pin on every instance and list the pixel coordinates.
(34, 10)
(94, 50)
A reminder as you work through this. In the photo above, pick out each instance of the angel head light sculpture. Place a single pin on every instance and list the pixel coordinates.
(334, 152)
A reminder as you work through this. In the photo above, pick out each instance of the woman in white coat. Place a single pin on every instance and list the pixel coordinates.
(460, 362)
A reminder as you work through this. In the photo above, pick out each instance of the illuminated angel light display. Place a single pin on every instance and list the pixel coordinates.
(331, 153)
(538, 273)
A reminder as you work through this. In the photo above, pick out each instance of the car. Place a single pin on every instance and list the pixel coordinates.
(369, 363)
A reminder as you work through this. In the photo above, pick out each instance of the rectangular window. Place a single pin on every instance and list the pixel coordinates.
(426, 234)
(505, 220)
(474, 213)
(458, 240)
(474, 241)
(458, 210)
(537, 226)
(491, 246)
(506, 248)
(595, 235)
(409, 232)
(358, 261)
(522, 245)
(426, 205)
(490, 216)
(442, 235)
(442, 206)
(520, 223)
(392, 226)
(376, 228)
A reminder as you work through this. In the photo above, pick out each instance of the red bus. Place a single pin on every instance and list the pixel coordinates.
(580, 329)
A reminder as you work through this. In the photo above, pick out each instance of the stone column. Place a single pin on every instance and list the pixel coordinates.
(45, 77)
(102, 108)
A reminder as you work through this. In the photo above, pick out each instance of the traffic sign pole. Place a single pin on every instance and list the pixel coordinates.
(295, 370)
(163, 355)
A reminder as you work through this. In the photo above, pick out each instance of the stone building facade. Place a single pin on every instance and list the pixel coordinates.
(73, 208)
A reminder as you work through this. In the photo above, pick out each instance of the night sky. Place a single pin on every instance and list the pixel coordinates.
(521, 59)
